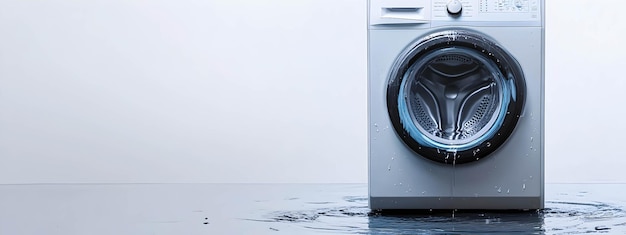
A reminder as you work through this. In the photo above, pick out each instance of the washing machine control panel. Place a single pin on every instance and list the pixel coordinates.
(486, 10)
(427, 13)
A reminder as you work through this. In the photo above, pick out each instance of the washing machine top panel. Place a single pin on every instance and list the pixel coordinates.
(426, 13)
(454, 96)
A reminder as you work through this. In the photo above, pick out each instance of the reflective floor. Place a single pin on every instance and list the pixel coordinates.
(286, 209)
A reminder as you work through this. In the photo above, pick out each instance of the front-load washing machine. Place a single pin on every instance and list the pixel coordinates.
(456, 104)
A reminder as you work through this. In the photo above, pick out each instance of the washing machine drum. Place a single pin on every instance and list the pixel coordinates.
(455, 96)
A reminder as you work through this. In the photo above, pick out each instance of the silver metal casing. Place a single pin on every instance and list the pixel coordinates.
(409, 170)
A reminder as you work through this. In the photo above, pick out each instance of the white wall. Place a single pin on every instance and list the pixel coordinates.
(117, 91)
(585, 91)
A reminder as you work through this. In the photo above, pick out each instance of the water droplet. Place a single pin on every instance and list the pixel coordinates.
(377, 130)
(530, 176)
(523, 186)
(477, 159)
(438, 151)
(508, 191)
(488, 144)
(499, 190)
(400, 183)
(423, 192)
(531, 139)
(392, 158)
(389, 168)
(375, 125)
(431, 210)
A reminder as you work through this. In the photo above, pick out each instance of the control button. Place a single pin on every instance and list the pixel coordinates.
(454, 7)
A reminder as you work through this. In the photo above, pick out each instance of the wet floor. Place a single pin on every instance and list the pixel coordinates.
(286, 209)
(570, 209)
(558, 218)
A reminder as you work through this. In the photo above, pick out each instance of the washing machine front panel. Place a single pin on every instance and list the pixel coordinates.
(455, 95)
(435, 97)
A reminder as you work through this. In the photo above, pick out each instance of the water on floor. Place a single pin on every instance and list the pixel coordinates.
(570, 209)
(286, 209)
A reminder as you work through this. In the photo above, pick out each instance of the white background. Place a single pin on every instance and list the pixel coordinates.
(187, 91)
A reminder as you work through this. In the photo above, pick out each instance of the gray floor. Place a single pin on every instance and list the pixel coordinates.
(282, 209)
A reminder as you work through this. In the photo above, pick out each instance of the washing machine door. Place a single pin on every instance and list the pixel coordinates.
(455, 96)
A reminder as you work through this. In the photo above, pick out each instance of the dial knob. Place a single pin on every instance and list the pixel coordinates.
(454, 7)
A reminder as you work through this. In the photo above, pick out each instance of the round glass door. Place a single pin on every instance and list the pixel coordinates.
(455, 96)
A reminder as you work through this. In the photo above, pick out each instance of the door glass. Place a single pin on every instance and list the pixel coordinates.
(453, 96)
(455, 93)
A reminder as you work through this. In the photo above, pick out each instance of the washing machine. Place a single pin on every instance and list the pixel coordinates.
(456, 104)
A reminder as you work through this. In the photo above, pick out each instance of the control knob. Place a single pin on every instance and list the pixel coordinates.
(454, 7)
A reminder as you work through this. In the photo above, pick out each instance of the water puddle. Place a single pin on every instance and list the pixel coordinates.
(352, 216)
